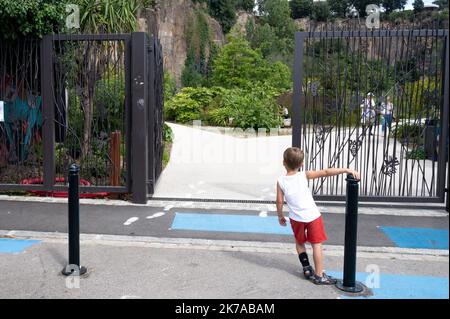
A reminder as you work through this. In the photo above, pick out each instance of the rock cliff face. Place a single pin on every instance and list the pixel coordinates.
(170, 18)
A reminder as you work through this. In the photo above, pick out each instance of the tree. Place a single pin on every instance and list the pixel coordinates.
(237, 64)
(224, 11)
(277, 14)
(360, 5)
(418, 6)
(391, 5)
(300, 8)
(321, 11)
(31, 18)
(339, 8)
(441, 3)
(262, 37)
(105, 16)
(246, 5)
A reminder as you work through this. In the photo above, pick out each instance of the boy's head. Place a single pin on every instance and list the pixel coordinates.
(293, 158)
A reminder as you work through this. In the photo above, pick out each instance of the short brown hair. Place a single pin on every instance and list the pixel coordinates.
(293, 157)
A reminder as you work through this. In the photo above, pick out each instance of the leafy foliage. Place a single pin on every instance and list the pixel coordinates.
(339, 8)
(223, 11)
(239, 66)
(246, 5)
(190, 104)
(235, 107)
(170, 86)
(391, 5)
(300, 8)
(321, 11)
(33, 18)
(418, 6)
(247, 109)
(199, 43)
(108, 16)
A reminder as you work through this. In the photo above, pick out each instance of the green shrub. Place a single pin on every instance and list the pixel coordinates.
(246, 109)
(416, 154)
(410, 133)
(170, 87)
(30, 18)
(190, 104)
(167, 134)
(109, 102)
(239, 66)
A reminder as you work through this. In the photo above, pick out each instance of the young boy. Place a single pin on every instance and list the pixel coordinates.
(304, 216)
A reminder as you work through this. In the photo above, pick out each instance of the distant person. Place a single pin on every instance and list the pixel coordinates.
(386, 111)
(304, 216)
(368, 114)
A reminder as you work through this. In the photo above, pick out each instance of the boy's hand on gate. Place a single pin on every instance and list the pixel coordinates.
(282, 220)
(354, 173)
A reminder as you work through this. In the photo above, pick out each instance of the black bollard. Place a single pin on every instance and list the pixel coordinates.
(74, 267)
(349, 283)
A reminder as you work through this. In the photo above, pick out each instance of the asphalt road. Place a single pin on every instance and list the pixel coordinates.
(108, 219)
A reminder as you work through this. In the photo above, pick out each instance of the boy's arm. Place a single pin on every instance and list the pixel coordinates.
(280, 201)
(331, 172)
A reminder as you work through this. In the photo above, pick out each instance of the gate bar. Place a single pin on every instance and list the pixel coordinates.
(139, 100)
(48, 110)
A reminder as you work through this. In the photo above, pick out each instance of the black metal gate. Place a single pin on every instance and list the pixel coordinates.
(155, 115)
(375, 101)
(92, 99)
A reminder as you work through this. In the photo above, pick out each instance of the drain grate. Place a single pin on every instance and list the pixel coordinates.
(212, 200)
(404, 205)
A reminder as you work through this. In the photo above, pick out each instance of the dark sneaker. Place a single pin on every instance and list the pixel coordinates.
(308, 272)
(324, 280)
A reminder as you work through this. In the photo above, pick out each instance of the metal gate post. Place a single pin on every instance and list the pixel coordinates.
(48, 131)
(444, 127)
(151, 115)
(298, 78)
(139, 106)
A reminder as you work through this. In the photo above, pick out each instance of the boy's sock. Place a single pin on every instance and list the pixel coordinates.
(304, 259)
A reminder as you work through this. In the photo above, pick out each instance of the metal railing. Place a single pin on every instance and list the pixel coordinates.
(94, 100)
(375, 101)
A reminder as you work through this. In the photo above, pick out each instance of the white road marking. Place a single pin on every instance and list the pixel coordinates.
(155, 215)
(432, 211)
(130, 221)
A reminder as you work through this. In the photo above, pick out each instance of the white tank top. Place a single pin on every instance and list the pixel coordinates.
(297, 194)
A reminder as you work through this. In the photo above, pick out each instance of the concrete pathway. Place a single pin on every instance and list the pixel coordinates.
(204, 164)
(213, 165)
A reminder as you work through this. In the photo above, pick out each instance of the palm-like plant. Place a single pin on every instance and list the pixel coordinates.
(93, 57)
(108, 16)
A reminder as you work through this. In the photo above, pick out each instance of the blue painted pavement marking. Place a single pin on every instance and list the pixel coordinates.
(10, 245)
(230, 223)
(402, 286)
(417, 237)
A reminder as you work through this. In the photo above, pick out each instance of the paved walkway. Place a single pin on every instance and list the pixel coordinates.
(120, 267)
(204, 164)
(213, 165)
(375, 229)
(151, 251)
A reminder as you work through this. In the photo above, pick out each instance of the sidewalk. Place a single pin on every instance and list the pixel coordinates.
(183, 250)
(123, 267)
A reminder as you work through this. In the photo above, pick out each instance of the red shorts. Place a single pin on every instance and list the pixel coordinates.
(312, 232)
